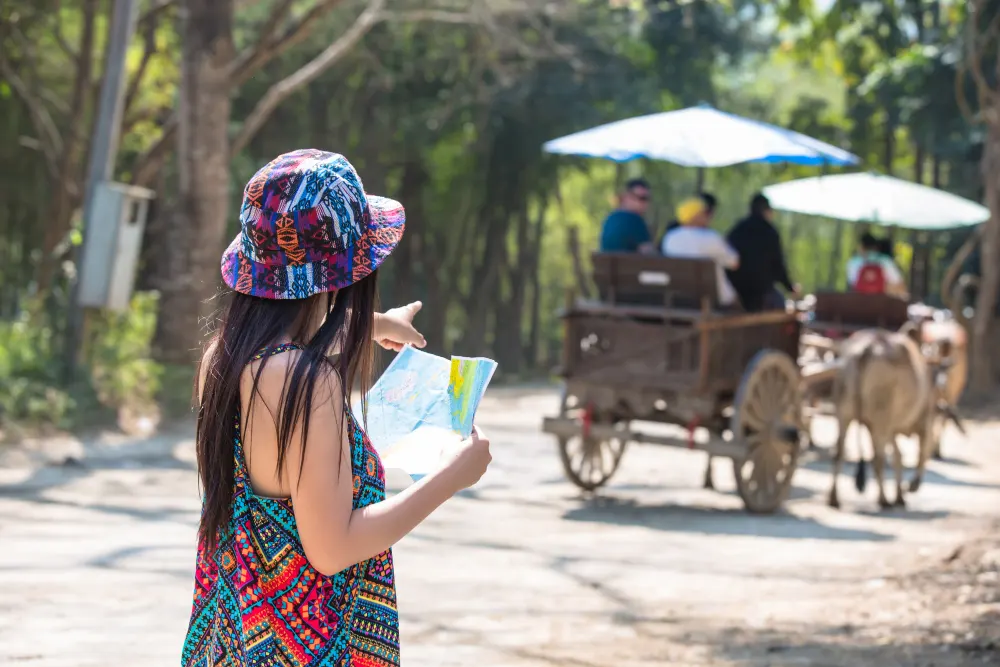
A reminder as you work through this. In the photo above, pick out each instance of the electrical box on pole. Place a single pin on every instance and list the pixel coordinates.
(115, 228)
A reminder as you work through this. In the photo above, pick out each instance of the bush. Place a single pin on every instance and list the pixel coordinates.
(29, 390)
(121, 366)
(122, 376)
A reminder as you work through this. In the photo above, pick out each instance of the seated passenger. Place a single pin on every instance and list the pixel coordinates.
(872, 272)
(696, 240)
(625, 229)
(710, 203)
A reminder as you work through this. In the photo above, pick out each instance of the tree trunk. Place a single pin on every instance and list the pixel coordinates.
(196, 239)
(76, 145)
(580, 275)
(983, 378)
(530, 352)
(510, 317)
(918, 163)
(409, 254)
(890, 146)
(836, 257)
(486, 276)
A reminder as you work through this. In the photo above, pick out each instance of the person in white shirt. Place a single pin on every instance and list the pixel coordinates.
(695, 239)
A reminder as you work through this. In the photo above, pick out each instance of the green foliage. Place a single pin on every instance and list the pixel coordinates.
(120, 360)
(121, 373)
(29, 378)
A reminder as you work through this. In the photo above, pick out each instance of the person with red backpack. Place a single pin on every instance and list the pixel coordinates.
(872, 272)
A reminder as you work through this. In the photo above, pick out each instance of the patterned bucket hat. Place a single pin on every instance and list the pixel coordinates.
(307, 226)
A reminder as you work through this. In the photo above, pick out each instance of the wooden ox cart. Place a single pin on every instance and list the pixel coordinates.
(657, 347)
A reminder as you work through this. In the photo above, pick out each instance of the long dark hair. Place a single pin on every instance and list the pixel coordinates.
(247, 325)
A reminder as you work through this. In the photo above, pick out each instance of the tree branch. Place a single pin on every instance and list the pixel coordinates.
(431, 15)
(60, 38)
(48, 134)
(977, 46)
(84, 65)
(280, 91)
(148, 25)
(148, 166)
(269, 47)
(153, 13)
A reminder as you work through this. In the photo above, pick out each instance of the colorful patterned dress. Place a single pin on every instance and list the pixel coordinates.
(259, 603)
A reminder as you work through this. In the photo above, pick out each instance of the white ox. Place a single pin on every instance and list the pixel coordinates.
(885, 384)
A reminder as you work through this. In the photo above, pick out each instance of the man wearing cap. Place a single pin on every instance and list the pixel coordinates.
(694, 239)
(625, 229)
(710, 203)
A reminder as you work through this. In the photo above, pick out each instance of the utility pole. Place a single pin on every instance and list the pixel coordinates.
(104, 149)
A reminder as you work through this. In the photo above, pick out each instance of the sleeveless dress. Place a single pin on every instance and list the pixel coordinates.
(259, 603)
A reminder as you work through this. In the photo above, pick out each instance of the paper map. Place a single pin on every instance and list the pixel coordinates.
(421, 403)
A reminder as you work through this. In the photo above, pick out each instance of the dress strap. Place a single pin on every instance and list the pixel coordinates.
(272, 350)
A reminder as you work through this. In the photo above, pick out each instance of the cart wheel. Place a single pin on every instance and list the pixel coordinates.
(590, 462)
(767, 419)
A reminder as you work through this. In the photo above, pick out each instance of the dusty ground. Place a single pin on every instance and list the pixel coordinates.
(96, 549)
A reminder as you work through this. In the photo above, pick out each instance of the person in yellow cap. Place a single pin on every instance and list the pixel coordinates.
(710, 203)
(693, 238)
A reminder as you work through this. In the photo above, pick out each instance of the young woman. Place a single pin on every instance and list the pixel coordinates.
(294, 564)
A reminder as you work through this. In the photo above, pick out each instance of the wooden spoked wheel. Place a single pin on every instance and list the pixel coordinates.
(767, 420)
(589, 461)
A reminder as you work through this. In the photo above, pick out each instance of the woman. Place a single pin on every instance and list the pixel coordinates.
(294, 563)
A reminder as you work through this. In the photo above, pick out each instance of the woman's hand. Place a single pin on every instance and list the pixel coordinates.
(467, 462)
(394, 328)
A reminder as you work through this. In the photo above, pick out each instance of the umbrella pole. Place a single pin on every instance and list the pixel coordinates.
(700, 180)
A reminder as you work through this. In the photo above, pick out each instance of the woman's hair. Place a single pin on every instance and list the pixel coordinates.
(246, 326)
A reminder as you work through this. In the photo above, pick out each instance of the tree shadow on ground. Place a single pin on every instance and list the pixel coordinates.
(158, 452)
(681, 518)
(843, 646)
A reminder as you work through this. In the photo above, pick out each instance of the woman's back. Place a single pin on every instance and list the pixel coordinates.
(259, 601)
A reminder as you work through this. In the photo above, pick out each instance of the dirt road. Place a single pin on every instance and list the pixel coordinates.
(96, 550)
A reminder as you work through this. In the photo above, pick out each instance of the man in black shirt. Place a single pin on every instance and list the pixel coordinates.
(762, 260)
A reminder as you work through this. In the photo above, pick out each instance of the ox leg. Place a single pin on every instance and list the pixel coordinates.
(838, 463)
(897, 466)
(709, 482)
(879, 445)
(926, 443)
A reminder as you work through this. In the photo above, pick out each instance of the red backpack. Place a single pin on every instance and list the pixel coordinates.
(871, 279)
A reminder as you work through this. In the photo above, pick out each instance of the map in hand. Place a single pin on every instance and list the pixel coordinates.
(421, 404)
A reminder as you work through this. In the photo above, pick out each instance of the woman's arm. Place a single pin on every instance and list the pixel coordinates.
(334, 535)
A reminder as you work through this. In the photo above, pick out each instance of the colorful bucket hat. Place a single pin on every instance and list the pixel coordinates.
(307, 226)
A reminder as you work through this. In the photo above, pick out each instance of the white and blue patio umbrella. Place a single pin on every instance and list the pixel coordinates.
(699, 136)
(877, 199)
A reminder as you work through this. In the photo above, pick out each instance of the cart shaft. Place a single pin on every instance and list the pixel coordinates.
(565, 427)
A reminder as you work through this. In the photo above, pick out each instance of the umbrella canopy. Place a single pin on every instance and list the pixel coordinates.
(699, 136)
(878, 199)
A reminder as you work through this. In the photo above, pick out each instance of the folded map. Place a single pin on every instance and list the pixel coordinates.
(421, 404)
